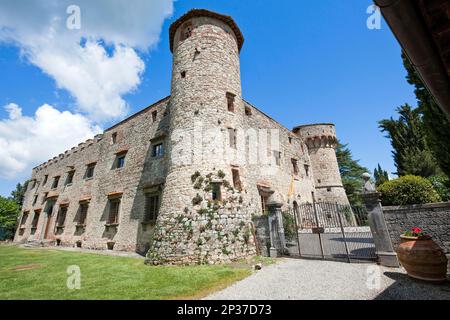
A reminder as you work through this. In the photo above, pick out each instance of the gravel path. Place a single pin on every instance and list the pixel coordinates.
(313, 279)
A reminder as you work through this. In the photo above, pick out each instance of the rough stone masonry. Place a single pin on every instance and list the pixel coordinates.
(181, 180)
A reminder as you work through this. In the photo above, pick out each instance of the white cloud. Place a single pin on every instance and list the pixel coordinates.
(96, 80)
(27, 141)
(98, 63)
(14, 111)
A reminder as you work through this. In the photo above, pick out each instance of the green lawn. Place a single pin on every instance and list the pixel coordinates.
(42, 274)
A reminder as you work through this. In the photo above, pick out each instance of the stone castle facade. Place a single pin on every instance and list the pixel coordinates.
(181, 180)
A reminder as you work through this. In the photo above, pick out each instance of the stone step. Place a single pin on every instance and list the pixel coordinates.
(39, 243)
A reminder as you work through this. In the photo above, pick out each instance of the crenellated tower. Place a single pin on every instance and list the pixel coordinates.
(322, 142)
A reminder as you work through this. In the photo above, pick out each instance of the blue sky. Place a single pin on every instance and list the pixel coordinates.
(302, 62)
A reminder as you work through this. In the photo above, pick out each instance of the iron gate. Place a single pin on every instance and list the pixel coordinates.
(327, 231)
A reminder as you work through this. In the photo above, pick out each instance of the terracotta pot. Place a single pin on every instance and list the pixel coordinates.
(422, 258)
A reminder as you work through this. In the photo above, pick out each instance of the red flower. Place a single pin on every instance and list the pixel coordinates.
(416, 230)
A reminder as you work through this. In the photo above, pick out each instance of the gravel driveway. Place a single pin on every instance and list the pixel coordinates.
(315, 279)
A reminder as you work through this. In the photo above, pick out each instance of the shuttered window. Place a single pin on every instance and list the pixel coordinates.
(151, 207)
(83, 213)
(89, 171)
(114, 205)
(24, 219)
(35, 221)
(61, 217)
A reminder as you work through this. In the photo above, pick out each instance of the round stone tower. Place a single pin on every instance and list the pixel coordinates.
(322, 142)
(193, 226)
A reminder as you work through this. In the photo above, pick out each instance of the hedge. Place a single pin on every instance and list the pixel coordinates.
(408, 190)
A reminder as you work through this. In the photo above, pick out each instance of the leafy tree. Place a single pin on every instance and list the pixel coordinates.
(380, 175)
(351, 172)
(19, 194)
(435, 122)
(9, 213)
(408, 139)
(441, 184)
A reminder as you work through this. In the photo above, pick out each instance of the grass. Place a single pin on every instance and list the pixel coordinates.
(42, 274)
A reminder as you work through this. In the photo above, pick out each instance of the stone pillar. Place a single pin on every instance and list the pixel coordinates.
(383, 245)
(276, 229)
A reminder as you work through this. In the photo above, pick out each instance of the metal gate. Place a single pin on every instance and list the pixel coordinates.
(327, 231)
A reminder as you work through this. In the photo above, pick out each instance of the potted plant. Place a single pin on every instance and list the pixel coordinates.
(421, 257)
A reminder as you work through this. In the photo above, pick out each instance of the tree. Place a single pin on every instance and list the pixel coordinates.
(351, 172)
(19, 194)
(435, 121)
(9, 213)
(408, 139)
(441, 184)
(380, 175)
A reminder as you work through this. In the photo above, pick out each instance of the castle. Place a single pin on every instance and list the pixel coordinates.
(181, 180)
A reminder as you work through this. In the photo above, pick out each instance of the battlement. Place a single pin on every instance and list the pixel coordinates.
(321, 135)
(196, 13)
(89, 142)
(81, 146)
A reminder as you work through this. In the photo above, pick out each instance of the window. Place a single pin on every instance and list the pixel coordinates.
(295, 165)
(114, 205)
(35, 221)
(329, 189)
(264, 207)
(120, 161)
(55, 182)
(35, 199)
(83, 213)
(154, 115)
(186, 31)
(24, 218)
(307, 170)
(158, 150)
(183, 74)
(69, 179)
(33, 184)
(232, 138)
(248, 111)
(216, 193)
(290, 140)
(45, 179)
(277, 156)
(114, 138)
(230, 101)
(151, 207)
(61, 219)
(236, 179)
(90, 171)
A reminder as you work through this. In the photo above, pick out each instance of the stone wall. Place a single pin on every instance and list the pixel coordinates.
(134, 135)
(433, 218)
